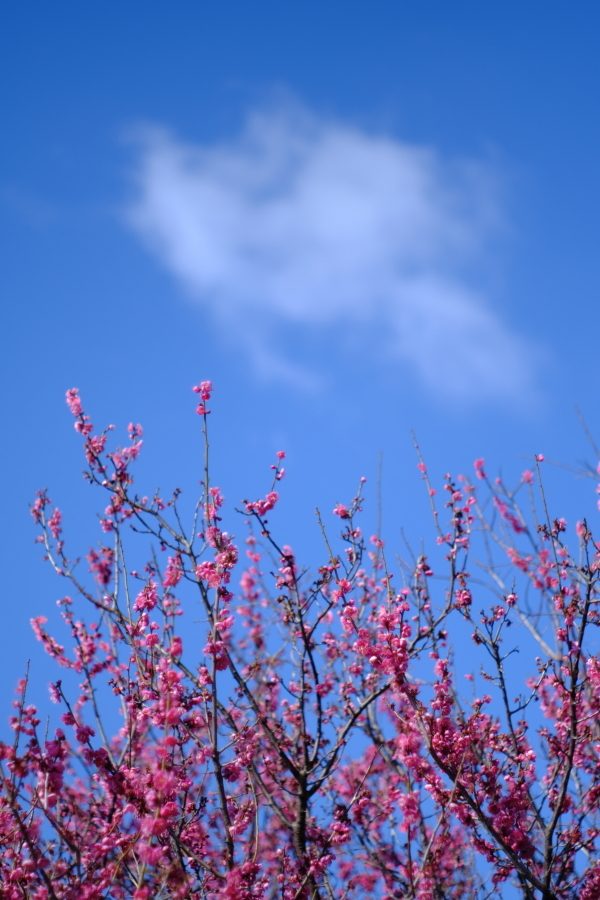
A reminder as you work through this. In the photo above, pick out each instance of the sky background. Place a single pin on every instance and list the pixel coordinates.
(355, 218)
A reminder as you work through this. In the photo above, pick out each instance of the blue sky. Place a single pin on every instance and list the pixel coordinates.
(355, 218)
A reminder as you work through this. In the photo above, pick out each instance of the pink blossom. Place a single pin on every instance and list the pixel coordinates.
(176, 648)
(74, 402)
(54, 524)
(463, 598)
(101, 564)
(174, 572)
(54, 692)
(83, 733)
(205, 389)
(147, 598)
(261, 507)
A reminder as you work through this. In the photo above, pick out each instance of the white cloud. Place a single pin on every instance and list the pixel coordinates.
(308, 222)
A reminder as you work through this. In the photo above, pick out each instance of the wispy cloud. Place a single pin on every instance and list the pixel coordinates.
(309, 222)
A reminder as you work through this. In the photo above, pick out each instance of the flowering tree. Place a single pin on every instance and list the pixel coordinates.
(311, 739)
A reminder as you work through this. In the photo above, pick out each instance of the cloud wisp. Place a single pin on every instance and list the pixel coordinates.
(307, 222)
